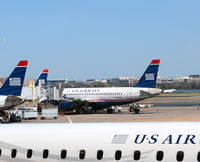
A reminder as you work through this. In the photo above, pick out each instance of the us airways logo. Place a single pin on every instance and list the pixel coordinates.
(119, 139)
(15, 81)
(170, 139)
(149, 76)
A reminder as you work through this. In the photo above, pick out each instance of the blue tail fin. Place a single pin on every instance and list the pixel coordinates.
(149, 78)
(14, 83)
(42, 78)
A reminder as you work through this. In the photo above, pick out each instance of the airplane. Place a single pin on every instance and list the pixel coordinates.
(169, 90)
(10, 91)
(90, 142)
(79, 99)
(42, 78)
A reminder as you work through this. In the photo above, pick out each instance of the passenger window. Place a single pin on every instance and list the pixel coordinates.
(29, 153)
(137, 155)
(180, 156)
(99, 154)
(198, 156)
(0, 152)
(159, 155)
(63, 154)
(45, 153)
(82, 154)
(118, 155)
(13, 153)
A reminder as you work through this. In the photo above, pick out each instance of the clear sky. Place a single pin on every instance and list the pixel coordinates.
(85, 39)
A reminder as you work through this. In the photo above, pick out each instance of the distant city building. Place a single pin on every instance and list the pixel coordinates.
(194, 76)
(123, 81)
(51, 82)
(158, 78)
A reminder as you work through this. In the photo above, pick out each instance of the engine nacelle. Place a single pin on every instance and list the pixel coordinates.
(66, 106)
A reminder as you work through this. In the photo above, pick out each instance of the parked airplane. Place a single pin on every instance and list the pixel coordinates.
(80, 99)
(11, 89)
(42, 78)
(90, 142)
(169, 90)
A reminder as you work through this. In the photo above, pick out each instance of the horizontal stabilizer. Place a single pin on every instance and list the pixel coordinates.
(13, 100)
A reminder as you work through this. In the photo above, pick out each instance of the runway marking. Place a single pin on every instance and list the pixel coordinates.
(69, 120)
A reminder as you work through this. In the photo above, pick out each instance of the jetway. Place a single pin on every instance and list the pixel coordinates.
(54, 93)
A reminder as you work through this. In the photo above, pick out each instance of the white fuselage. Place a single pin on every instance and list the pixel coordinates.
(2, 100)
(128, 139)
(119, 94)
(8, 102)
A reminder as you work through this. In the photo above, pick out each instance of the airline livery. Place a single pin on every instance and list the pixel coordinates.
(107, 142)
(103, 98)
(10, 91)
(42, 78)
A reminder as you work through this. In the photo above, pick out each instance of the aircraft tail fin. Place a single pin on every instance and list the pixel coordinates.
(14, 83)
(42, 78)
(149, 78)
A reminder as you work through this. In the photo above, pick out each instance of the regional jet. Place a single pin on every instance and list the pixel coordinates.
(106, 142)
(79, 99)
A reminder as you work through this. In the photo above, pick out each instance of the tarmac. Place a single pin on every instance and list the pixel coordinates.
(165, 109)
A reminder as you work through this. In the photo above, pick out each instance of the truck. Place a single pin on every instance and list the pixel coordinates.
(136, 107)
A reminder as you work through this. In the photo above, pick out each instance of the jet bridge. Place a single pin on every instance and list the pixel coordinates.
(54, 93)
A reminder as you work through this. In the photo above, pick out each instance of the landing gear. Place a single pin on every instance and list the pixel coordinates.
(109, 111)
(84, 110)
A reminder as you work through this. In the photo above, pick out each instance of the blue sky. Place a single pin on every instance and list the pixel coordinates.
(84, 39)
